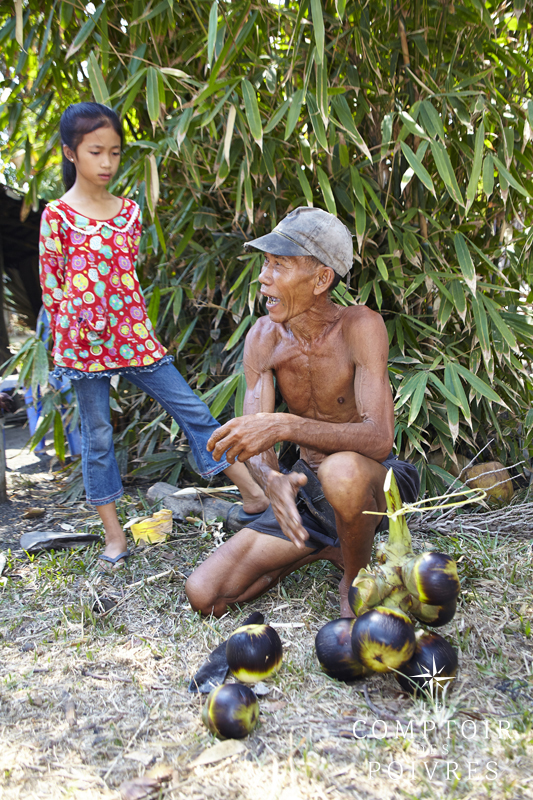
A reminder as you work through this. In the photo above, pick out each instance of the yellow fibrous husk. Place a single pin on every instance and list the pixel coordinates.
(153, 529)
(486, 476)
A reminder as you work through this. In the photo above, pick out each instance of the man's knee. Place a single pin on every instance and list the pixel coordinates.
(198, 593)
(347, 483)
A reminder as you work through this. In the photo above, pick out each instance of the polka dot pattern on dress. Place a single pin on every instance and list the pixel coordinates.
(91, 289)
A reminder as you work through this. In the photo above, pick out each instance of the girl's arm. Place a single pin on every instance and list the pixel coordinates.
(51, 265)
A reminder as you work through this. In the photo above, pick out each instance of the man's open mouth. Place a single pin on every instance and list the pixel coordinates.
(271, 301)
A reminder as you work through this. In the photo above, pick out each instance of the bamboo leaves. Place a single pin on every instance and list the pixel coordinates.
(252, 111)
(465, 262)
(418, 168)
(96, 79)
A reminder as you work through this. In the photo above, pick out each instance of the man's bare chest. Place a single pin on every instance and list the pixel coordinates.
(318, 382)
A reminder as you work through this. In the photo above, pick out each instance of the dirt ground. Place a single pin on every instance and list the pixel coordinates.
(92, 700)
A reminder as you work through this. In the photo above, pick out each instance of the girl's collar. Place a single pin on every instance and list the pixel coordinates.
(70, 217)
(93, 219)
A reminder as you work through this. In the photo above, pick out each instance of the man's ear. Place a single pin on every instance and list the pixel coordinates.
(324, 278)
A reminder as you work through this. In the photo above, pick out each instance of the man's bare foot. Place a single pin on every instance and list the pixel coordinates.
(346, 611)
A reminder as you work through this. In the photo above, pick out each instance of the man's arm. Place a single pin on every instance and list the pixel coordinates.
(259, 400)
(373, 436)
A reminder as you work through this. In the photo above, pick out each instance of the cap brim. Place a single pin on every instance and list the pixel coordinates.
(278, 245)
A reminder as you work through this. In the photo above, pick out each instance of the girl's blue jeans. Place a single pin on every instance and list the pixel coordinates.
(101, 475)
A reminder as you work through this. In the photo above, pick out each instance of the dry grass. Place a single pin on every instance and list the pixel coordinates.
(87, 701)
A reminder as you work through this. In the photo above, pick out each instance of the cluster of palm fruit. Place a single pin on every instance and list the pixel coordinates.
(254, 653)
(382, 638)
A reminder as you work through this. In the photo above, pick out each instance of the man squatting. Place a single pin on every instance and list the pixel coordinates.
(330, 366)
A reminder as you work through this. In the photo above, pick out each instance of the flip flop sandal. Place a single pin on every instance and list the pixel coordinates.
(238, 518)
(114, 561)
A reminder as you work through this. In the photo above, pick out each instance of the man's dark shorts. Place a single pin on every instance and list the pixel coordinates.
(317, 514)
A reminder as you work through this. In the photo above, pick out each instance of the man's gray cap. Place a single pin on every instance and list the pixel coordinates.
(310, 232)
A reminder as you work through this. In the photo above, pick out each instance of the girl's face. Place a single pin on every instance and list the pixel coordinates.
(97, 156)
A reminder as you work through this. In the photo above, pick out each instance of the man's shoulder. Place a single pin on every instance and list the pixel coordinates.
(263, 330)
(362, 317)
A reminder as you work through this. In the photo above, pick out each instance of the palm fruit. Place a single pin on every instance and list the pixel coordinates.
(431, 578)
(383, 638)
(430, 615)
(254, 653)
(431, 667)
(333, 644)
(231, 711)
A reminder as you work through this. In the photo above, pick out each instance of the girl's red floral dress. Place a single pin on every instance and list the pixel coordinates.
(91, 290)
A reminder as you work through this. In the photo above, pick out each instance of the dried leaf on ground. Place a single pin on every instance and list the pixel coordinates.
(219, 751)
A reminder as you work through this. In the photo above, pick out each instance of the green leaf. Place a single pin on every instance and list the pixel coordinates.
(212, 33)
(431, 120)
(494, 313)
(476, 166)
(306, 188)
(152, 94)
(445, 169)
(345, 116)
(465, 261)
(59, 436)
(360, 223)
(511, 180)
(436, 381)
(236, 336)
(418, 396)
(39, 374)
(340, 5)
(357, 185)
(417, 166)
(239, 395)
(482, 329)
(252, 111)
(382, 267)
(412, 126)
(278, 116)
(479, 386)
(43, 426)
(184, 337)
(224, 391)
(316, 122)
(153, 308)
(454, 385)
(326, 191)
(318, 28)
(294, 112)
(488, 174)
(459, 298)
(84, 32)
(96, 79)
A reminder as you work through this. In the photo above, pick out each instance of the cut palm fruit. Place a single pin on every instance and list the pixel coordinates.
(153, 529)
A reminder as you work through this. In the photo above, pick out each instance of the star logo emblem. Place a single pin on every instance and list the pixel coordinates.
(434, 680)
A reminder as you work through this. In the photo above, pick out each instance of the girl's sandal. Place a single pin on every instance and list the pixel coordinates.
(116, 562)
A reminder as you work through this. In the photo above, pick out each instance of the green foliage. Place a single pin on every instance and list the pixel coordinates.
(412, 123)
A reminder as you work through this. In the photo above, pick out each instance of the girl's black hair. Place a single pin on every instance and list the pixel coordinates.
(79, 119)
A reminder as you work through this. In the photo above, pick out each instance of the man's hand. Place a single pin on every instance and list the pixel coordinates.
(281, 491)
(244, 437)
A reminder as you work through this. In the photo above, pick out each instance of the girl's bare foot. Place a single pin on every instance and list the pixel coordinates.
(115, 538)
(254, 500)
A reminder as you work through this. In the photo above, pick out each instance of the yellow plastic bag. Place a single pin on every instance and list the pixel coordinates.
(153, 529)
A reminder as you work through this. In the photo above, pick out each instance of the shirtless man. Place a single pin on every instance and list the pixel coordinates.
(330, 365)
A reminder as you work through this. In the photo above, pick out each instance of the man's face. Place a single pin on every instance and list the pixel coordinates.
(287, 283)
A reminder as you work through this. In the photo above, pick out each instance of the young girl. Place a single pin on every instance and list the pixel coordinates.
(88, 246)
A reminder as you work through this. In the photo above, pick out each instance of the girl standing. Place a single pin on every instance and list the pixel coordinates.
(88, 247)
